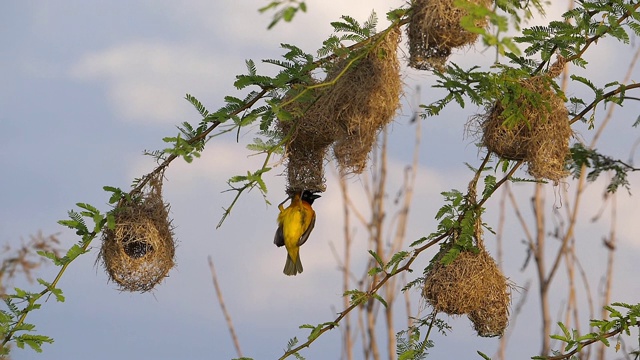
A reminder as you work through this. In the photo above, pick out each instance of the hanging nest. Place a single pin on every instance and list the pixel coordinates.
(139, 252)
(542, 139)
(462, 286)
(310, 135)
(348, 114)
(491, 318)
(471, 284)
(363, 101)
(305, 168)
(434, 30)
(313, 128)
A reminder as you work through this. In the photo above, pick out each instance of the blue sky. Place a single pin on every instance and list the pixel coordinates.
(87, 86)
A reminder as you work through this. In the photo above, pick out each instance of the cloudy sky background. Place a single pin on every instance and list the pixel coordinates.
(87, 86)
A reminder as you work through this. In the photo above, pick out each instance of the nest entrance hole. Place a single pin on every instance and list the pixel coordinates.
(137, 248)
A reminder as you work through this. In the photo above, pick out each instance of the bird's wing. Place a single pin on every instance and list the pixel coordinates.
(305, 236)
(279, 238)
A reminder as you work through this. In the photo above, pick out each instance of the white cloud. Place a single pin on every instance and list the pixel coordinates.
(147, 81)
(246, 25)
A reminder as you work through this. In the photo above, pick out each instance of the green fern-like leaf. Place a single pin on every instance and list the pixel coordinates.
(450, 255)
(351, 26)
(198, 105)
(52, 256)
(35, 342)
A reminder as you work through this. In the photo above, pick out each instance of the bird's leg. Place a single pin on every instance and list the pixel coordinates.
(281, 205)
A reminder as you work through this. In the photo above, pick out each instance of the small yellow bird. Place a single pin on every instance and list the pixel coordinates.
(294, 226)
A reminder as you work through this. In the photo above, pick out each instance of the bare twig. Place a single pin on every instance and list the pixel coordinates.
(225, 312)
(502, 348)
(347, 347)
(538, 256)
(610, 244)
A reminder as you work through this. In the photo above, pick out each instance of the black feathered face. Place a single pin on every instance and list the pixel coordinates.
(309, 196)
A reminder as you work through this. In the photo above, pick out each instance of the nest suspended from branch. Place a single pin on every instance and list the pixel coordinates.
(311, 134)
(363, 101)
(311, 127)
(139, 252)
(491, 318)
(542, 140)
(434, 30)
(461, 286)
(348, 114)
(471, 284)
(305, 168)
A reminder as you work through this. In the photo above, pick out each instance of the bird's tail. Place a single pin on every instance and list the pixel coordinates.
(291, 268)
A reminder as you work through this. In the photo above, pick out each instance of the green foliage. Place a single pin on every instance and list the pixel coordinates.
(53, 257)
(409, 346)
(255, 179)
(13, 326)
(457, 219)
(520, 11)
(317, 329)
(615, 94)
(117, 195)
(587, 25)
(33, 341)
(397, 15)
(408, 342)
(484, 88)
(396, 260)
(290, 345)
(52, 289)
(596, 164)
(265, 99)
(476, 12)
(182, 147)
(285, 10)
(618, 323)
(347, 32)
(356, 297)
(376, 257)
(489, 186)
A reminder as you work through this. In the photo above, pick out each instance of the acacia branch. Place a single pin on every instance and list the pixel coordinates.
(606, 96)
(588, 42)
(582, 344)
(595, 38)
(506, 178)
(404, 268)
(200, 137)
(7, 337)
(367, 295)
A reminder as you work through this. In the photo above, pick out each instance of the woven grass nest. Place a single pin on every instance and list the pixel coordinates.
(139, 252)
(310, 138)
(434, 30)
(542, 140)
(362, 95)
(473, 285)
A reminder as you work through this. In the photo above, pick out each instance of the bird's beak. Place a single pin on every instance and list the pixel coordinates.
(315, 196)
